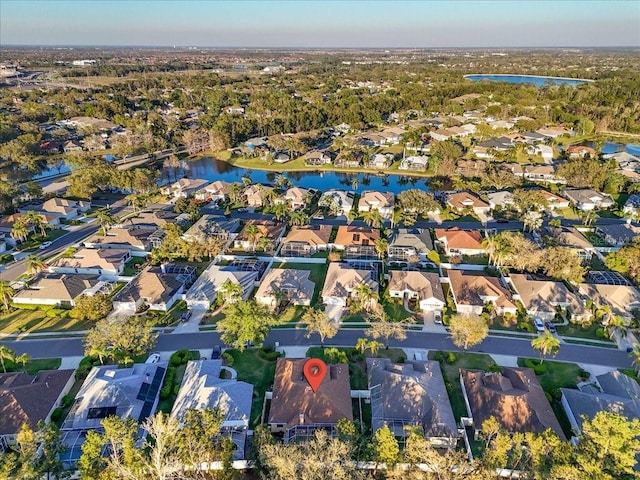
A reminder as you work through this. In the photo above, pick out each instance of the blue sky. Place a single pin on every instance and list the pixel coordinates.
(322, 23)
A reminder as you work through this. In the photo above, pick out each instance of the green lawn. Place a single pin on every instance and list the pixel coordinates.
(165, 405)
(577, 331)
(257, 371)
(171, 317)
(451, 374)
(318, 273)
(35, 240)
(395, 311)
(131, 268)
(29, 321)
(33, 366)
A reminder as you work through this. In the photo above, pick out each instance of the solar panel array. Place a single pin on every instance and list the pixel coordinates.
(148, 393)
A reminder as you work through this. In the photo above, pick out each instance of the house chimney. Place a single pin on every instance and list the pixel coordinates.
(301, 418)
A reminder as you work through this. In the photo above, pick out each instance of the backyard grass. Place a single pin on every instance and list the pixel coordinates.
(451, 365)
(131, 268)
(257, 371)
(318, 273)
(29, 321)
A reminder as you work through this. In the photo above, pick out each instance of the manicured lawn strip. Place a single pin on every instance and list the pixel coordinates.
(256, 371)
(36, 239)
(395, 311)
(130, 269)
(75, 388)
(577, 331)
(591, 344)
(165, 405)
(451, 374)
(29, 321)
(318, 273)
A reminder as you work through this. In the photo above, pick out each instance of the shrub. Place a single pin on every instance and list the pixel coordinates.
(56, 415)
(67, 400)
(451, 358)
(494, 367)
(402, 359)
(228, 359)
(556, 394)
(584, 375)
(540, 369)
(438, 357)
(333, 355)
(601, 333)
(168, 383)
(180, 357)
(176, 389)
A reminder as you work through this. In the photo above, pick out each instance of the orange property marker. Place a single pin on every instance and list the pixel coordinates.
(314, 371)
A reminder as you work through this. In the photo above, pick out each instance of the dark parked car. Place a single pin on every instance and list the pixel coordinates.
(502, 220)
(216, 352)
(550, 326)
(186, 316)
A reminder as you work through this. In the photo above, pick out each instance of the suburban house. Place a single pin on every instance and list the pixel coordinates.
(271, 231)
(108, 263)
(383, 202)
(632, 205)
(185, 187)
(553, 201)
(7, 222)
(624, 300)
(107, 391)
(342, 279)
(357, 242)
(472, 291)
(337, 201)
(62, 207)
(587, 199)
(378, 161)
(304, 241)
(158, 287)
(203, 388)
(410, 245)
(216, 191)
(544, 151)
(139, 238)
(411, 394)
(286, 286)
(424, 287)
(568, 237)
(543, 298)
(257, 194)
(462, 201)
(538, 173)
(297, 411)
(26, 399)
(417, 163)
(553, 132)
(212, 227)
(581, 151)
(72, 146)
(618, 234)
(317, 157)
(458, 242)
(206, 288)
(159, 218)
(297, 198)
(56, 289)
(501, 200)
(616, 393)
(514, 398)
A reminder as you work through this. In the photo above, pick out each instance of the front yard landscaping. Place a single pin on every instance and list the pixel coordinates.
(32, 366)
(173, 378)
(256, 366)
(45, 319)
(594, 331)
(133, 266)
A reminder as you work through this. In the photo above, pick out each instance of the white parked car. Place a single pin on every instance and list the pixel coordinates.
(437, 317)
(44, 245)
(153, 358)
(539, 325)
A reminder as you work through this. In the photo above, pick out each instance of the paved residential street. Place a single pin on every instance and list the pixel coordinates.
(347, 337)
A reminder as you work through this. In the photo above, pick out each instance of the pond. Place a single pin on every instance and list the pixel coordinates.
(211, 169)
(536, 80)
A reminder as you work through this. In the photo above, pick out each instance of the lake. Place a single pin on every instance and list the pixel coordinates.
(212, 169)
(538, 81)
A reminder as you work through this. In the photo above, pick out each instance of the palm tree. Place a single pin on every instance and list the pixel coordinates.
(37, 221)
(6, 292)
(264, 244)
(374, 346)
(281, 210)
(253, 232)
(231, 291)
(532, 220)
(20, 230)
(381, 247)
(362, 344)
(373, 218)
(34, 263)
(105, 219)
(365, 294)
(546, 344)
(6, 352)
(23, 359)
(395, 217)
(299, 218)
